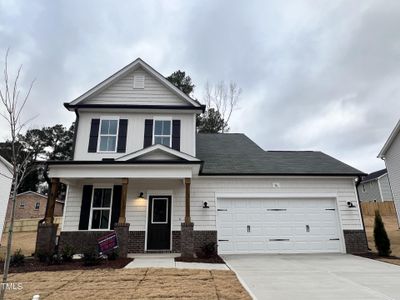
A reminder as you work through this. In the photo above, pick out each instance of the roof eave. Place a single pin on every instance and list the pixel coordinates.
(389, 141)
(72, 107)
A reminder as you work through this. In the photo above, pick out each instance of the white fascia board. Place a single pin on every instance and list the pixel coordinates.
(125, 70)
(123, 171)
(389, 141)
(152, 148)
(7, 164)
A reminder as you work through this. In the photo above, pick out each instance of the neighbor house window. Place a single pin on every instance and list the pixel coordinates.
(162, 132)
(108, 135)
(101, 208)
(22, 204)
(37, 205)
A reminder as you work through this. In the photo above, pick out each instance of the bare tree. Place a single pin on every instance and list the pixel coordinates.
(13, 106)
(222, 97)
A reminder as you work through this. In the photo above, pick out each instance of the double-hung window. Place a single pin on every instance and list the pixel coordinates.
(162, 132)
(108, 135)
(101, 208)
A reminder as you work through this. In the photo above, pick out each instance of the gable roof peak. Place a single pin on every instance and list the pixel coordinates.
(137, 63)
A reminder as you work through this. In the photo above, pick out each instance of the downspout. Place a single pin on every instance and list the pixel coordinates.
(359, 207)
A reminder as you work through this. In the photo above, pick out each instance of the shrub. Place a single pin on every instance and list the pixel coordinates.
(113, 255)
(42, 256)
(208, 250)
(91, 258)
(68, 253)
(382, 242)
(17, 259)
(55, 259)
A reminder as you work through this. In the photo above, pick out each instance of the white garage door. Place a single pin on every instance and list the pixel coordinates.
(277, 226)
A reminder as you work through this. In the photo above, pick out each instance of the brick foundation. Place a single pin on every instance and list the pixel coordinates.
(356, 241)
(81, 241)
(46, 239)
(136, 241)
(122, 232)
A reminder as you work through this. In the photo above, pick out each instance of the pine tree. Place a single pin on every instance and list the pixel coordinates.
(382, 242)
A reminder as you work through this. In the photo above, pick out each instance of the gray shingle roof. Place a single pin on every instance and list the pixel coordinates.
(374, 175)
(236, 154)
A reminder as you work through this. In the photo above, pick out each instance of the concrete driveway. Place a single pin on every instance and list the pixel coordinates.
(316, 276)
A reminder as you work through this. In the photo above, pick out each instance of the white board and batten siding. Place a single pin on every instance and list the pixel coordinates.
(207, 189)
(135, 134)
(392, 161)
(128, 90)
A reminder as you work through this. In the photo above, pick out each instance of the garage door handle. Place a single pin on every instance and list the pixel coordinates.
(279, 240)
(334, 239)
(219, 209)
(330, 209)
(223, 240)
(276, 209)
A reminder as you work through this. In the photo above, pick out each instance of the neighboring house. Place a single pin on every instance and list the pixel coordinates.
(30, 205)
(140, 168)
(5, 188)
(390, 153)
(375, 187)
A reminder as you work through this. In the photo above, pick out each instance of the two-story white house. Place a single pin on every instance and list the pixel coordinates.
(140, 168)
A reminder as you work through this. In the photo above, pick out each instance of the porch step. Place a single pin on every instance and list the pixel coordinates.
(159, 251)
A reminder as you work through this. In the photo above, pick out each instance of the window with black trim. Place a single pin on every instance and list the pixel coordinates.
(101, 208)
(108, 133)
(162, 132)
(37, 205)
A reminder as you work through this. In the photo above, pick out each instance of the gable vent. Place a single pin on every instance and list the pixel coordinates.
(138, 81)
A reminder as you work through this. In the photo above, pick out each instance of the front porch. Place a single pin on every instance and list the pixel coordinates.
(151, 214)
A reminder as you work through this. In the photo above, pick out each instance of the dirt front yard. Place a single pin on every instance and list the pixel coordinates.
(392, 230)
(148, 283)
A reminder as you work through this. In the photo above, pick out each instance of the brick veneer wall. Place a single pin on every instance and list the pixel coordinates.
(80, 240)
(356, 241)
(28, 211)
(136, 241)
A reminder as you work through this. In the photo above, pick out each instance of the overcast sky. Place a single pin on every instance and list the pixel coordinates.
(315, 75)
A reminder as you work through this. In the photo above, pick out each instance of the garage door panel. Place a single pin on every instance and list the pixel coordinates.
(275, 225)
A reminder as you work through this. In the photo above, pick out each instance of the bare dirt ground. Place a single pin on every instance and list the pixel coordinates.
(21, 240)
(393, 232)
(148, 283)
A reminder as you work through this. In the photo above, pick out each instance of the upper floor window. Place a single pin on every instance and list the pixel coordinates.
(162, 132)
(108, 135)
(37, 205)
(22, 204)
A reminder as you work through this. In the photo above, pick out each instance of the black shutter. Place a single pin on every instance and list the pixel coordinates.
(148, 133)
(176, 135)
(94, 135)
(122, 133)
(116, 205)
(85, 207)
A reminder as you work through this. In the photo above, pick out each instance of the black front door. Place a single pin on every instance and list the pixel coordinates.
(159, 223)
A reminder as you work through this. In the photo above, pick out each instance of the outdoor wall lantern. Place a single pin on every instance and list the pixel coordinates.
(205, 205)
(141, 195)
(350, 204)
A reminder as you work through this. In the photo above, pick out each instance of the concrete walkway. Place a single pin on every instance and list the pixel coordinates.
(168, 261)
(316, 276)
